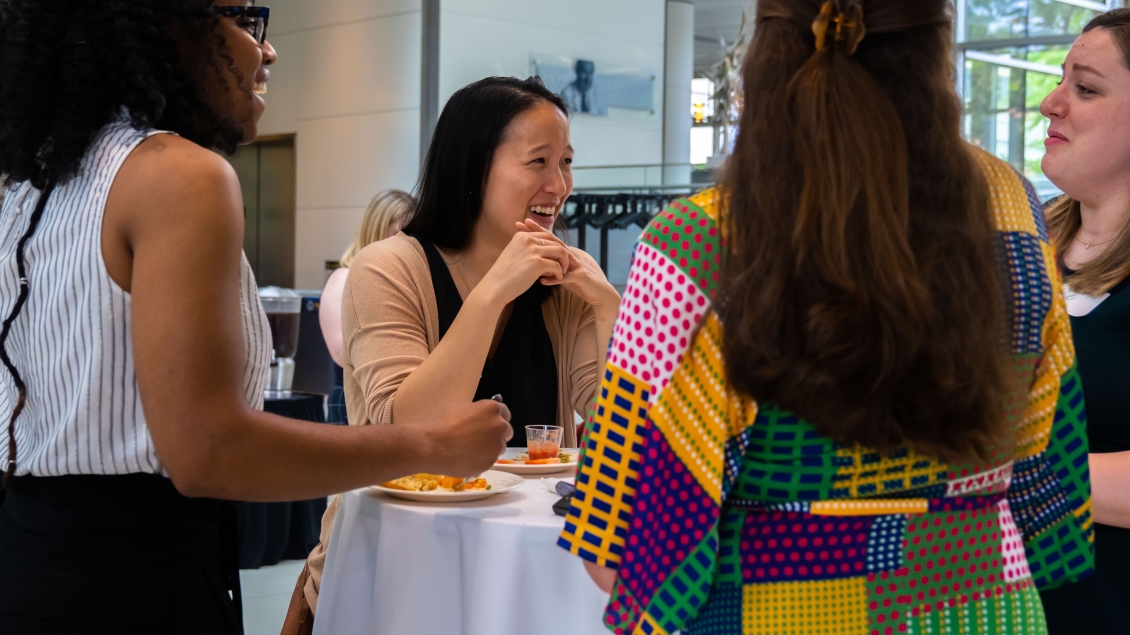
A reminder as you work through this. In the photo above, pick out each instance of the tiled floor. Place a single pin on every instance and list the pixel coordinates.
(266, 595)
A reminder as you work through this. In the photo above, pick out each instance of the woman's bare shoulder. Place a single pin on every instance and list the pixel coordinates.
(175, 161)
(167, 172)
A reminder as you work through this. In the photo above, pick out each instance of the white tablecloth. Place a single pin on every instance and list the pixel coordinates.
(490, 567)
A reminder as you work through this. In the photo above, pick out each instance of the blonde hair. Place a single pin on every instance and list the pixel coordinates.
(1094, 277)
(386, 208)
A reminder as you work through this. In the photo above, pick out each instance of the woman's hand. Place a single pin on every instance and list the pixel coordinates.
(525, 260)
(468, 439)
(583, 278)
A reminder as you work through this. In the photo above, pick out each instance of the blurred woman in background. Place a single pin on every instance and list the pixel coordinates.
(383, 218)
(828, 406)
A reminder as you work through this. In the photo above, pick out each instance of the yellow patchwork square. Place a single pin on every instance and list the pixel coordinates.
(597, 519)
(833, 607)
(1010, 204)
(693, 410)
(890, 474)
(708, 201)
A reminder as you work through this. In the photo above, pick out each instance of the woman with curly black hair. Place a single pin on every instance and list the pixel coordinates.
(134, 344)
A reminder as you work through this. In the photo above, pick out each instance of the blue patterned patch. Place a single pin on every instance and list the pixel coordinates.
(735, 450)
(885, 550)
(722, 614)
(1036, 496)
(1031, 290)
(1037, 207)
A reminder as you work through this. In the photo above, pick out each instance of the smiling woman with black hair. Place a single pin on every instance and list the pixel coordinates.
(463, 303)
(477, 296)
(133, 343)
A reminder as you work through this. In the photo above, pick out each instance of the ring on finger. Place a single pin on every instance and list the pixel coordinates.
(542, 242)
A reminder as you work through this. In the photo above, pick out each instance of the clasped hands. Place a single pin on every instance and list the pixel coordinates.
(536, 254)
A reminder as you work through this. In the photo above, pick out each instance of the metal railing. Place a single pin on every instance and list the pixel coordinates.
(641, 178)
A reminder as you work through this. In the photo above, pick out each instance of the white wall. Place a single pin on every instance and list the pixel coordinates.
(480, 38)
(348, 85)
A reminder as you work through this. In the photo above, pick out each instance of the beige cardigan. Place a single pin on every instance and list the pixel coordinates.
(390, 324)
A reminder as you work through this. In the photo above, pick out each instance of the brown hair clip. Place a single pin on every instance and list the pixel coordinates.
(849, 26)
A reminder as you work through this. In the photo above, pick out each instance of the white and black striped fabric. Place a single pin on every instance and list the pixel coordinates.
(72, 341)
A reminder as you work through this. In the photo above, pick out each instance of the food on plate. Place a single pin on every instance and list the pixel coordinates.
(524, 459)
(432, 482)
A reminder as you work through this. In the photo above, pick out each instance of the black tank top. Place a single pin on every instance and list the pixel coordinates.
(523, 369)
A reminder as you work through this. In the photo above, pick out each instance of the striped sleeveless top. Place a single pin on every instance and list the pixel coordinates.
(72, 341)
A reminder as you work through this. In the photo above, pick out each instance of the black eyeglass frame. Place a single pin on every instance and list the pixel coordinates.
(263, 14)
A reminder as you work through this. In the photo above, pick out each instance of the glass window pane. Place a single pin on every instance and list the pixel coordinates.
(702, 144)
(1002, 107)
(1007, 19)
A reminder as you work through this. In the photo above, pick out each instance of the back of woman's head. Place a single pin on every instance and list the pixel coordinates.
(473, 123)
(861, 290)
(69, 67)
(386, 211)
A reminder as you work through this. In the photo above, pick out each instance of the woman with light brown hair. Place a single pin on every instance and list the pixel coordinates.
(1088, 157)
(383, 218)
(841, 394)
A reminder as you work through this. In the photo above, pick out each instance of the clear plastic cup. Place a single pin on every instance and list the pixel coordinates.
(543, 442)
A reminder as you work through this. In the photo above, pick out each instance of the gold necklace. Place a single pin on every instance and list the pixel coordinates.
(459, 273)
(463, 280)
(1087, 245)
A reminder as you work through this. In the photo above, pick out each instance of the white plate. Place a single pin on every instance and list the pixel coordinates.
(530, 470)
(499, 482)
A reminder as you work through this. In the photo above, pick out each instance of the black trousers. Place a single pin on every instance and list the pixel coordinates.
(116, 554)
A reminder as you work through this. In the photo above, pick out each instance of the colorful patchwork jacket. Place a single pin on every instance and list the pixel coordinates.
(723, 515)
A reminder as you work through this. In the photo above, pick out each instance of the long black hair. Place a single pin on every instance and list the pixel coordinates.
(69, 67)
(450, 191)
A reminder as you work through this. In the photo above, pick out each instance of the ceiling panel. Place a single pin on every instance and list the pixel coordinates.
(715, 19)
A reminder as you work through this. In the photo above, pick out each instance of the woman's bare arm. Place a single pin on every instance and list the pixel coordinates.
(329, 312)
(450, 374)
(172, 237)
(1110, 488)
(602, 576)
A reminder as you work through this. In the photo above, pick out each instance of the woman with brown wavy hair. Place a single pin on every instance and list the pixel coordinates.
(841, 394)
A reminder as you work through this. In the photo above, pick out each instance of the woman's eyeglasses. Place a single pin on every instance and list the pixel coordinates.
(251, 19)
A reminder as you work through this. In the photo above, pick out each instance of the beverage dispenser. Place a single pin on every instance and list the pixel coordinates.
(283, 308)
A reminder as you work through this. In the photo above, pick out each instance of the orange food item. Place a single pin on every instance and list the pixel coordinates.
(426, 483)
(450, 482)
(543, 461)
(543, 451)
(505, 462)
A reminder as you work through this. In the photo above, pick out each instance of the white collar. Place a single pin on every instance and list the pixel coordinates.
(1080, 304)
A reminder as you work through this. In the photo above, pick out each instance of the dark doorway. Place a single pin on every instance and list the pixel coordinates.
(266, 172)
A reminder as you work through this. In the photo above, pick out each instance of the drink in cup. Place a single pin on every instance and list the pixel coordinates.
(543, 442)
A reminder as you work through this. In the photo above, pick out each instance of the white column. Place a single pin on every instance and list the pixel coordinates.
(677, 76)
